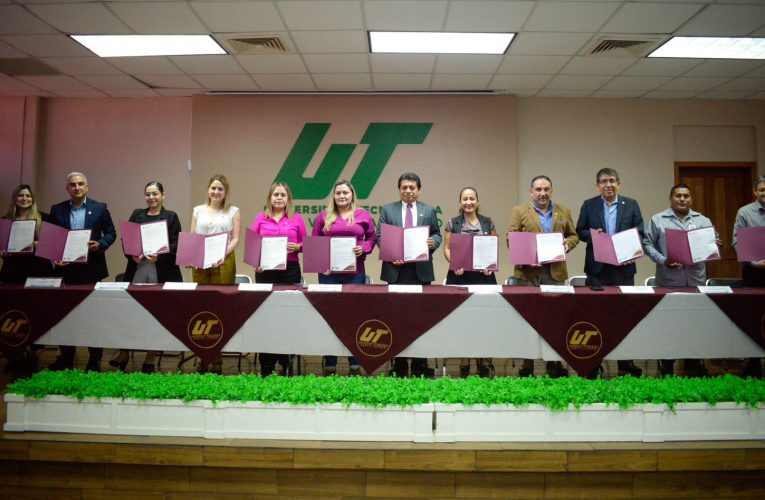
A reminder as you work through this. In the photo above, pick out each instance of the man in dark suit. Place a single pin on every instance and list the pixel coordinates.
(609, 213)
(81, 212)
(409, 212)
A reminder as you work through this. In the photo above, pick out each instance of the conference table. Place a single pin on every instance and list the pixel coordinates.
(375, 324)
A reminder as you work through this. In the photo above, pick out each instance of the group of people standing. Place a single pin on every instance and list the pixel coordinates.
(608, 212)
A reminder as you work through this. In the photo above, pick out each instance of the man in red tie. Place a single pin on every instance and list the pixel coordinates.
(409, 212)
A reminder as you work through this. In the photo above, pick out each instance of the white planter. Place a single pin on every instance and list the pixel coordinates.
(218, 421)
(597, 422)
(422, 423)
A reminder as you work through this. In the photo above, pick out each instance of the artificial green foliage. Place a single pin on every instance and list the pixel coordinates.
(557, 394)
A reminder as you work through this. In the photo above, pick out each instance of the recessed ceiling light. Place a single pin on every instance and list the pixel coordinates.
(412, 42)
(149, 45)
(707, 47)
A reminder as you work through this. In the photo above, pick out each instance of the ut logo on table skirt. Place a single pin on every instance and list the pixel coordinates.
(205, 329)
(374, 338)
(15, 328)
(583, 340)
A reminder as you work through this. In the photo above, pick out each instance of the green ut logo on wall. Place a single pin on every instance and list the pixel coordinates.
(382, 139)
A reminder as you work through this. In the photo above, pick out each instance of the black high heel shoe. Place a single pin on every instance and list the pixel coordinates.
(120, 365)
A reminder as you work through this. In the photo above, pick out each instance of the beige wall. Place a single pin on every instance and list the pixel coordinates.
(120, 144)
(472, 142)
(494, 143)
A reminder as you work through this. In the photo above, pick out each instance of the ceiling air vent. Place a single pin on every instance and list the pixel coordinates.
(254, 44)
(622, 46)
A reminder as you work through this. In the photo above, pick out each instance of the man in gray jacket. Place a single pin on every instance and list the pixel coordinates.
(678, 216)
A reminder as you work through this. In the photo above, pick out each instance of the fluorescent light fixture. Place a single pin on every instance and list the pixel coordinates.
(706, 47)
(149, 45)
(412, 42)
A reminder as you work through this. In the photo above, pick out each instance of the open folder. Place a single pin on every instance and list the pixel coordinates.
(692, 247)
(473, 252)
(266, 252)
(535, 248)
(750, 243)
(61, 244)
(144, 239)
(17, 236)
(201, 250)
(618, 248)
(409, 245)
(329, 253)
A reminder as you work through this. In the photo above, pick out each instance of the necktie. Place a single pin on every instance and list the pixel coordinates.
(408, 222)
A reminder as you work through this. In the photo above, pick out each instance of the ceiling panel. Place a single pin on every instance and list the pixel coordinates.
(402, 63)
(576, 82)
(81, 65)
(151, 18)
(321, 15)
(331, 42)
(497, 17)
(650, 17)
(208, 65)
(597, 66)
(81, 18)
(145, 65)
(337, 63)
(272, 64)
(460, 82)
(519, 82)
(698, 83)
(54, 83)
(569, 16)
(327, 47)
(548, 44)
(403, 15)
(226, 82)
(339, 81)
(725, 20)
(291, 82)
(405, 81)
(239, 17)
(15, 20)
(459, 63)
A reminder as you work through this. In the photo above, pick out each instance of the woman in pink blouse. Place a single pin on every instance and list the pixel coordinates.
(343, 218)
(280, 219)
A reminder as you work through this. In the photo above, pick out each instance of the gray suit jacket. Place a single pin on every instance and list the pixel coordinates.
(426, 216)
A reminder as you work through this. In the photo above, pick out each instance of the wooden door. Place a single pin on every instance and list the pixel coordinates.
(719, 190)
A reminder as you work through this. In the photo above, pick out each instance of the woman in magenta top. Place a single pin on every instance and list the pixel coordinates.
(280, 219)
(343, 218)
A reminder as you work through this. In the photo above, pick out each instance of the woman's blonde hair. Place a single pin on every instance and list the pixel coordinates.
(288, 210)
(222, 179)
(332, 211)
(33, 212)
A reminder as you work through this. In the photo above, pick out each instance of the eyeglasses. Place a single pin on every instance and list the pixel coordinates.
(613, 181)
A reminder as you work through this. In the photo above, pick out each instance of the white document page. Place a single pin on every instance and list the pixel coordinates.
(341, 256)
(154, 238)
(76, 247)
(22, 236)
(637, 289)
(702, 244)
(549, 247)
(416, 242)
(627, 245)
(485, 252)
(215, 249)
(273, 253)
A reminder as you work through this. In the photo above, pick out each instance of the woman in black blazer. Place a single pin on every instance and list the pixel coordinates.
(155, 268)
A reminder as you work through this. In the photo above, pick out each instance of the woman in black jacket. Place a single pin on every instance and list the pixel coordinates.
(153, 268)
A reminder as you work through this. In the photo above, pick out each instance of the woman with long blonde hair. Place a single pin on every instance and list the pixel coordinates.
(343, 218)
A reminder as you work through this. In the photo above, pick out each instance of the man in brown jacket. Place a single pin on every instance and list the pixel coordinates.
(542, 215)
